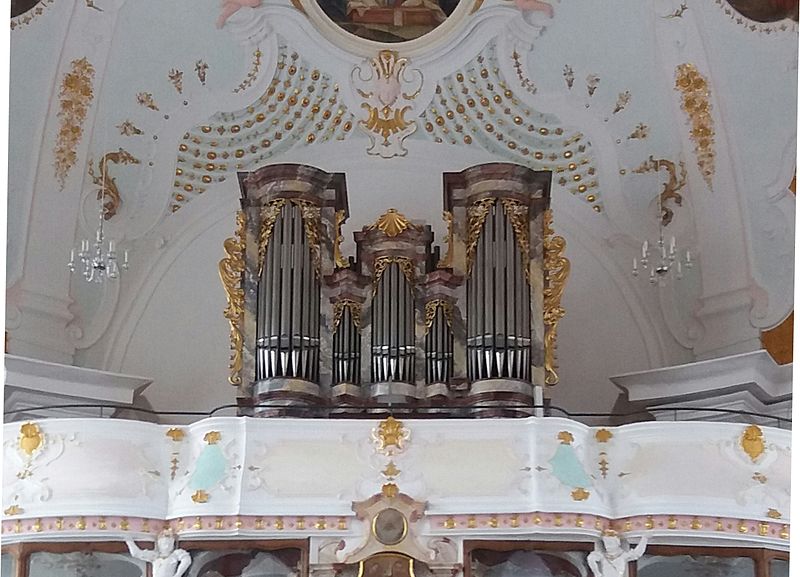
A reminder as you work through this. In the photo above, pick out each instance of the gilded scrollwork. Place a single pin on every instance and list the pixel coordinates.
(338, 311)
(556, 267)
(75, 97)
(405, 263)
(112, 199)
(671, 187)
(269, 214)
(230, 272)
(476, 216)
(430, 312)
(311, 222)
(517, 214)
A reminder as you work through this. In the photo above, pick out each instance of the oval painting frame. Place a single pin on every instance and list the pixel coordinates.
(346, 37)
(388, 21)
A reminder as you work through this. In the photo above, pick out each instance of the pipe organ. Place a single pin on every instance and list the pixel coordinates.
(397, 325)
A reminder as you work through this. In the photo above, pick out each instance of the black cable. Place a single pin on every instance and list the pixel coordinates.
(399, 407)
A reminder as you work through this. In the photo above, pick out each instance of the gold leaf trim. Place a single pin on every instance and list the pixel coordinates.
(75, 97)
(517, 214)
(405, 263)
(310, 214)
(476, 216)
(231, 269)
(338, 311)
(697, 106)
(556, 267)
(430, 312)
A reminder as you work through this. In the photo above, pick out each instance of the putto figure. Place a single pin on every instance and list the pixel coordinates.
(611, 559)
(167, 561)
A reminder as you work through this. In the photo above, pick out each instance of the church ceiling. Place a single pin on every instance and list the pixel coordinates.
(625, 101)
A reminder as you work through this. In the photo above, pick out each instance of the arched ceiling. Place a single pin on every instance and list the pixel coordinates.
(621, 100)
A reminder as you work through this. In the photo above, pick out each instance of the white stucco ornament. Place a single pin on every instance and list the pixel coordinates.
(167, 561)
(388, 91)
(610, 559)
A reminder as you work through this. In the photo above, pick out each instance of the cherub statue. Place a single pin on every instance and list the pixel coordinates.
(612, 559)
(167, 561)
(229, 7)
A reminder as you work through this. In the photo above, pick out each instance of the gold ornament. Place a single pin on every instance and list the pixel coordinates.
(752, 442)
(75, 97)
(696, 104)
(556, 267)
(230, 272)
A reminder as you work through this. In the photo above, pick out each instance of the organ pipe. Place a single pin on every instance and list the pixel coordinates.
(498, 302)
(347, 344)
(288, 303)
(393, 339)
(438, 342)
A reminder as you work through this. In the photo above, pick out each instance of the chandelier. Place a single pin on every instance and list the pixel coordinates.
(97, 260)
(660, 261)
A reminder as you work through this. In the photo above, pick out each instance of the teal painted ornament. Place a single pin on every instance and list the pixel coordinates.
(209, 469)
(567, 468)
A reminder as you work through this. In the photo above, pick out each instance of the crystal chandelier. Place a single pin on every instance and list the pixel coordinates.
(97, 260)
(661, 262)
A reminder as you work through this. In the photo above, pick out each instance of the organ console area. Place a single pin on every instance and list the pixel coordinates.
(456, 329)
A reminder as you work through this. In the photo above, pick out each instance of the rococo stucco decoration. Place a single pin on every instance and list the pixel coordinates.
(75, 98)
(694, 89)
(388, 94)
(109, 193)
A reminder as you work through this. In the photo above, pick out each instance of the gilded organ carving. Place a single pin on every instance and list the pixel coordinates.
(471, 333)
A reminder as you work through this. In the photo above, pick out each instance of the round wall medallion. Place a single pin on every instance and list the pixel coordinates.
(388, 20)
(390, 526)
